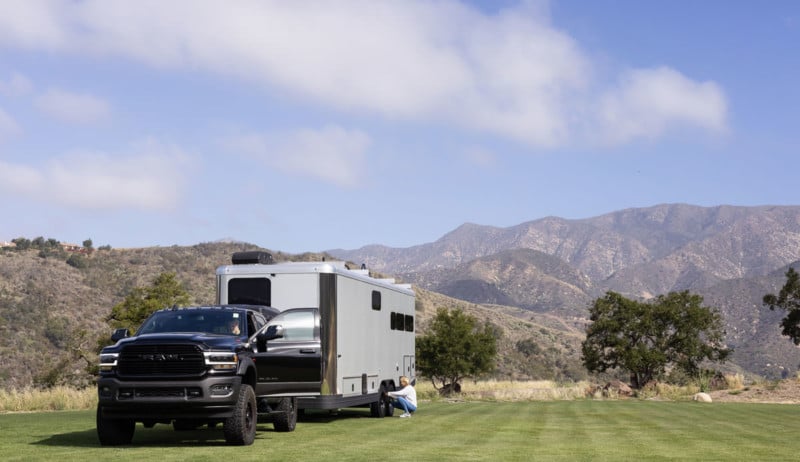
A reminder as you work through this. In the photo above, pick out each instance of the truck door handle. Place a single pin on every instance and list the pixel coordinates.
(308, 350)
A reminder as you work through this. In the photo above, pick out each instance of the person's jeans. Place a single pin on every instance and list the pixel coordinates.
(402, 403)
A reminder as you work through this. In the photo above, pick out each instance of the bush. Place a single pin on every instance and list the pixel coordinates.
(54, 399)
(77, 261)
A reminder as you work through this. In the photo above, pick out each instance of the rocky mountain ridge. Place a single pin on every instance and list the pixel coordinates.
(640, 252)
(730, 255)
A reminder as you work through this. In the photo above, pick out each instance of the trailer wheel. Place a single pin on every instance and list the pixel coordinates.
(379, 408)
(240, 428)
(389, 412)
(285, 418)
(113, 432)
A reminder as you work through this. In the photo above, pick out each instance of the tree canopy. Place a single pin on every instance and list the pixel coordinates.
(454, 348)
(164, 292)
(647, 338)
(788, 299)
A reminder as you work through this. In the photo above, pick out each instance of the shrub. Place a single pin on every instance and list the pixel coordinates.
(54, 399)
(77, 261)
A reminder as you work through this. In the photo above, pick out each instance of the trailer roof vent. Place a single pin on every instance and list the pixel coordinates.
(253, 257)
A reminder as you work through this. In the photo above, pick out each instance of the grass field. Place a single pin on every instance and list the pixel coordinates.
(463, 431)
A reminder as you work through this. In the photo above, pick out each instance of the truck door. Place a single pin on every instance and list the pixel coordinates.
(291, 362)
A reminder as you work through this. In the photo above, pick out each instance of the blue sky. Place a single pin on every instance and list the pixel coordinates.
(312, 125)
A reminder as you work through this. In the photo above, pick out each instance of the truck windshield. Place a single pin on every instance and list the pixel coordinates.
(201, 321)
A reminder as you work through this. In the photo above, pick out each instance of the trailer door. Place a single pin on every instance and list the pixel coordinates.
(409, 367)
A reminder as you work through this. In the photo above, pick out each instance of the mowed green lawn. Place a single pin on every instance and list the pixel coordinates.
(560, 430)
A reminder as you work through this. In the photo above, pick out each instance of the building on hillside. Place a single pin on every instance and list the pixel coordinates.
(75, 248)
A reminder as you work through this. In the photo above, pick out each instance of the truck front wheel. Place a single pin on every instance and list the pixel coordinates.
(240, 428)
(113, 432)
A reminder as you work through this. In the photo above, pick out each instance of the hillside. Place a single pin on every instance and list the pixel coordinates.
(51, 312)
(534, 282)
(523, 278)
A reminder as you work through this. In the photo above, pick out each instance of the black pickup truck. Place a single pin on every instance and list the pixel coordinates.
(189, 367)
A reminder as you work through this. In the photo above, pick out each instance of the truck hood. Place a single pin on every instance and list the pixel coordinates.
(203, 340)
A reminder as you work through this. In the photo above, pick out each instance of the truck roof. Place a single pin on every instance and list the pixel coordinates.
(268, 311)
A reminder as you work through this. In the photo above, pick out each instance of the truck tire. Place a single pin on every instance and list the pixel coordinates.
(114, 432)
(285, 419)
(240, 428)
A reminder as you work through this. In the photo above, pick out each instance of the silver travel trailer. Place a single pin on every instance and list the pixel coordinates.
(341, 339)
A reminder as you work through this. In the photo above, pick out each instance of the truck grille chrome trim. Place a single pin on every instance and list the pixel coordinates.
(168, 360)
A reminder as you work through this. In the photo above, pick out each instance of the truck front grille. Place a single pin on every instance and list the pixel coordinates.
(170, 360)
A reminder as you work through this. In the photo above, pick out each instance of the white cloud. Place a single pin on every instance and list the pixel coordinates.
(480, 156)
(650, 101)
(148, 178)
(20, 180)
(73, 107)
(511, 74)
(8, 126)
(17, 85)
(331, 154)
(36, 24)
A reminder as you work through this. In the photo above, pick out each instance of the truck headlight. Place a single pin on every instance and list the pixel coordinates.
(222, 361)
(108, 361)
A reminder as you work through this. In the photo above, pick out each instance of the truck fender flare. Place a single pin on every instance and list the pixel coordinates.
(247, 371)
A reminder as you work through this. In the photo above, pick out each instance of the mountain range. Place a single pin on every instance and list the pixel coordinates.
(533, 283)
(731, 255)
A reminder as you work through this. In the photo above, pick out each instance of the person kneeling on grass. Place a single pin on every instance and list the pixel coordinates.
(405, 398)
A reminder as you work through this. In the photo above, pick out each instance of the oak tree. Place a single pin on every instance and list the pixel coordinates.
(454, 348)
(645, 338)
(788, 299)
(164, 292)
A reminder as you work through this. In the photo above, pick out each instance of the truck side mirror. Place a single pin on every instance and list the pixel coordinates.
(120, 334)
(272, 332)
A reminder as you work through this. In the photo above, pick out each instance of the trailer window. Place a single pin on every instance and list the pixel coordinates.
(400, 321)
(376, 300)
(409, 323)
(249, 291)
(397, 321)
